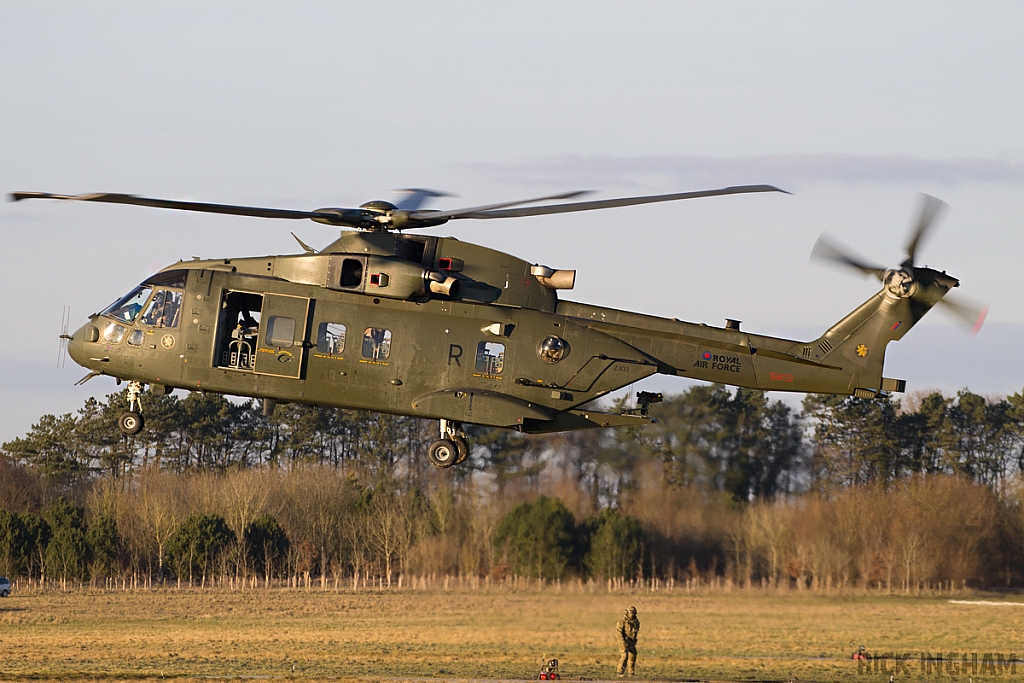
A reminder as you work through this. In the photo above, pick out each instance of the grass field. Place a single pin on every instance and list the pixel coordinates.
(484, 634)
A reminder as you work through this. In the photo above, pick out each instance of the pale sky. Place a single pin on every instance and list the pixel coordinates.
(854, 107)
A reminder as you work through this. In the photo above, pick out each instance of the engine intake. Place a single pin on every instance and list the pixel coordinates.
(387, 276)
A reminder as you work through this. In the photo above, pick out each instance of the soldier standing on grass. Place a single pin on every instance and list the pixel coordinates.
(627, 631)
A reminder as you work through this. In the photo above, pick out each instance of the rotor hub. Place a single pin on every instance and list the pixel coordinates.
(900, 282)
(383, 213)
(379, 206)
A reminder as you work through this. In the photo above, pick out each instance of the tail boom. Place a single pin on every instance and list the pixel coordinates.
(847, 359)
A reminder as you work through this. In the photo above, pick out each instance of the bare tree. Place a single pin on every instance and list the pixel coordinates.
(162, 509)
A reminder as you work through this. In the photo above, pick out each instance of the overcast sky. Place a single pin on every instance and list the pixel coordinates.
(855, 107)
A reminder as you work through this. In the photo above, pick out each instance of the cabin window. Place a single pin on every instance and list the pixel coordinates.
(330, 338)
(114, 333)
(136, 338)
(127, 308)
(163, 309)
(351, 272)
(490, 358)
(376, 343)
(280, 332)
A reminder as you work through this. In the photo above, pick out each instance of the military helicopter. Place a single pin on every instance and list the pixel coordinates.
(438, 328)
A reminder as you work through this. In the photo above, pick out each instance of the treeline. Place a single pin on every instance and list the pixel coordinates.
(728, 485)
(317, 526)
(310, 525)
(718, 439)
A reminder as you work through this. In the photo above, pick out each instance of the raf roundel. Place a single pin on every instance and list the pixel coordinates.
(707, 355)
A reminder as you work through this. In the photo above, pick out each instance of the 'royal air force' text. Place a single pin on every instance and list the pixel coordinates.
(720, 363)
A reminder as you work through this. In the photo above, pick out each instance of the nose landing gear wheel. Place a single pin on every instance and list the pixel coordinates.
(130, 423)
(443, 453)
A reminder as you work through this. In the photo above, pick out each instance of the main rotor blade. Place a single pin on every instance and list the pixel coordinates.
(474, 211)
(824, 249)
(485, 212)
(971, 314)
(930, 208)
(110, 198)
(414, 198)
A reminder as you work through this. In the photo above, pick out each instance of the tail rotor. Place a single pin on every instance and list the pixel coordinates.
(922, 285)
(931, 207)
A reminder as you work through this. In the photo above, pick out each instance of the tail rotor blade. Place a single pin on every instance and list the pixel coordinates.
(930, 208)
(970, 314)
(825, 249)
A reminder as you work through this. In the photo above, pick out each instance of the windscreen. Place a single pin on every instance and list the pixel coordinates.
(127, 308)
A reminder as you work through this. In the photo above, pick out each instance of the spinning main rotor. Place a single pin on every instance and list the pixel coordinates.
(379, 216)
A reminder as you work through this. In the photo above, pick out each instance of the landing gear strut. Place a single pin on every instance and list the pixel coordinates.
(131, 421)
(451, 448)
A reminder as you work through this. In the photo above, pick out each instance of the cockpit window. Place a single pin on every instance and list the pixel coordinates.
(114, 333)
(163, 309)
(127, 308)
(168, 278)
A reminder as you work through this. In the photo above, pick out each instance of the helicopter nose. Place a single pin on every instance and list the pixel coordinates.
(76, 345)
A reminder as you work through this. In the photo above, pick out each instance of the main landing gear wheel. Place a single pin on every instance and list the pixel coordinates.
(443, 453)
(130, 423)
(463, 450)
(451, 448)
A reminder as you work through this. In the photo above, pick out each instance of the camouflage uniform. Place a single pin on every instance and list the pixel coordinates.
(627, 631)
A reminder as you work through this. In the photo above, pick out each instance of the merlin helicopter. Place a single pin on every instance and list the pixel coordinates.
(438, 328)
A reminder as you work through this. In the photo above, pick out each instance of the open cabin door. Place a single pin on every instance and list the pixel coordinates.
(281, 347)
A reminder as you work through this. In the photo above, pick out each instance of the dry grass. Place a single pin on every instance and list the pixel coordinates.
(476, 634)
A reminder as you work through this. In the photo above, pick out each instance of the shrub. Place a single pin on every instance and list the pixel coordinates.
(267, 544)
(539, 538)
(616, 546)
(197, 545)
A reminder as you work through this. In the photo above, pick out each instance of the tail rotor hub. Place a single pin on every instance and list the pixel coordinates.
(922, 285)
(900, 282)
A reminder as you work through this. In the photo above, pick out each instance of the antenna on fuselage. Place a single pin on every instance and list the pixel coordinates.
(62, 345)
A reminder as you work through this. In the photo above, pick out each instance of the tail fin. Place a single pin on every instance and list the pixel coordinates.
(857, 343)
